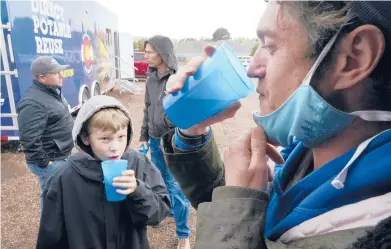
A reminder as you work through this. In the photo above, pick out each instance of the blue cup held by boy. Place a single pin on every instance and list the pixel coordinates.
(111, 169)
(219, 82)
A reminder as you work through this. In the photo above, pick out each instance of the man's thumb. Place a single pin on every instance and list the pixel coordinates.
(258, 142)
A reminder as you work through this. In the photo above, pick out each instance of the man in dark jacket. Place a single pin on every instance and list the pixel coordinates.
(322, 70)
(45, 124)
(76, 213)
(159, 52)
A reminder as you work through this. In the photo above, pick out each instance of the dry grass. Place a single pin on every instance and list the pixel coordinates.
(19, 212)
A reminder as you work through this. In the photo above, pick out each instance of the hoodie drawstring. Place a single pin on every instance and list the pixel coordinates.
(339, 181)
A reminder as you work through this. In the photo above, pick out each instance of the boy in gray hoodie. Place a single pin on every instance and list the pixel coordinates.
(75, 211)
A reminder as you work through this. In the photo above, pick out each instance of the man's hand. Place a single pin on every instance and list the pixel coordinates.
(177, 81)
(245, 161)
(126, 181)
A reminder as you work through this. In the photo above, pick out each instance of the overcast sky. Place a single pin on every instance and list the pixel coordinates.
(184, 18)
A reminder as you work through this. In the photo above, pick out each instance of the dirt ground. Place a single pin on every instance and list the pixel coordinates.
(20, 189)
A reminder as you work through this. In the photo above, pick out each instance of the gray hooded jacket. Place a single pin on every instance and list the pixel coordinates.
(155, 122)
(76, 213)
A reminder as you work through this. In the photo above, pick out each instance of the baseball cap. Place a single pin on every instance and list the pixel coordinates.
(46, 64)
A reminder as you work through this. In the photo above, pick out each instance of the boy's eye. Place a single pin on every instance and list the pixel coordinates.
(104, 138)
(122, 137)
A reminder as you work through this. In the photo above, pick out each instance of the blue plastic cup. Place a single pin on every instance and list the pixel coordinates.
(111, 169)
(219, 82)
(144, 149)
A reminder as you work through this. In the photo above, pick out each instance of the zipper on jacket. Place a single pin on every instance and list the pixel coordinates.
(157, 102)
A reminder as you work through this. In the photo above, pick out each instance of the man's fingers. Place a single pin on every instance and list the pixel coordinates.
(217, 118)
(274, 155)
(259, 144)
(177, 81)
(258, 141)
(193, 65)
(230, 112)
(245, 140)
(258, 161)
(261, 175)
(209, 50)
(261, 149)
(270, 175)
(240, 145)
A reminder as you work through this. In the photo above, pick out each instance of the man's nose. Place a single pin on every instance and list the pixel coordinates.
(257, 67)
(256, 71)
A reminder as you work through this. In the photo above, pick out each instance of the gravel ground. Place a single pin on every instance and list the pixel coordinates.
(20, 189)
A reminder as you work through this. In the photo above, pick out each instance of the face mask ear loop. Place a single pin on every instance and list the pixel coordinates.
(325, 51)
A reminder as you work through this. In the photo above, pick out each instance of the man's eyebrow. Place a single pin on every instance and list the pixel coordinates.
(262, 33)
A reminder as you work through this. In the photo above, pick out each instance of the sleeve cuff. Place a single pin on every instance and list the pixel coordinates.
(184, 142)
(44, 162)
(230, 192)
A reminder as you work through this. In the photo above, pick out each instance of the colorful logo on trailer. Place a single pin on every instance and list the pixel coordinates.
(87, 54)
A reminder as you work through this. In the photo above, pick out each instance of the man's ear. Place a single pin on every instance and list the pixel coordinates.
(357, 56)
(41, 78)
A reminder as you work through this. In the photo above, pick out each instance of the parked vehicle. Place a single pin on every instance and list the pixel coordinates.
(246, 60)
(140, 64)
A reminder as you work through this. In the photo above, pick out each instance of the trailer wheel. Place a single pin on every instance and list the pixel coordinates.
(85, 96)
(96, 90)
(12, 146)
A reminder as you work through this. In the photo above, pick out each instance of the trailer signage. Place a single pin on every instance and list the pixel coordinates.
(49, 27)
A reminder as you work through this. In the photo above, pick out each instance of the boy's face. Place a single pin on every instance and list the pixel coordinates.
(107, 145)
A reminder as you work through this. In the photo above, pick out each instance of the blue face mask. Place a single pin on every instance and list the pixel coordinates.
(306, 116)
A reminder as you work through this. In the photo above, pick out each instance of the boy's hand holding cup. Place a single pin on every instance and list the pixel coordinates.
(118, 179)
(127, 182)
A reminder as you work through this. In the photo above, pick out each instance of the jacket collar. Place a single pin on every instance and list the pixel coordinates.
(90, 167)
(154, 73)
(49, 89)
